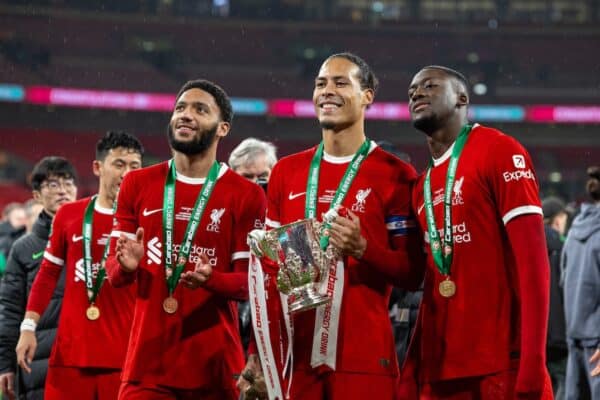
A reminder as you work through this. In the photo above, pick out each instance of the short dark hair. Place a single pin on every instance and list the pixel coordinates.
(51, 166)
(366, 76)
(452, 72)
(115, 139)
(215, 91)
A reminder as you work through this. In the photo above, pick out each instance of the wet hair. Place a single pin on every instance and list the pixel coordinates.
(220, 96)
(248, 150)
(116, 139)
(366, 77)
(451, 72)
(51, 167)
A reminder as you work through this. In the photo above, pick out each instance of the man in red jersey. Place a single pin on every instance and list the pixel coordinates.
(344, 350)
(95, 319)
(184, 223)
(481, 332)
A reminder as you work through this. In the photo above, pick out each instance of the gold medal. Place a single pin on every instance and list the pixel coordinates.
(182, 260)
(170, 305)
(92, 313)
(447, 288)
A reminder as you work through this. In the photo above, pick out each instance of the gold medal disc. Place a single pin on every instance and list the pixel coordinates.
(92, 313)
(447, 288)
(170, 305)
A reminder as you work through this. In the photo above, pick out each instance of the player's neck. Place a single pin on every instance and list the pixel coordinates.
(343, 143)
(104, 200)
(441, 140)
(197, 165)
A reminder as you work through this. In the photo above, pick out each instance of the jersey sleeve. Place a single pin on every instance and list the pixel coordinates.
(512, 179)
(273, 219)
(251, 216)
(125, 222)
(402, 260)
(54, 261)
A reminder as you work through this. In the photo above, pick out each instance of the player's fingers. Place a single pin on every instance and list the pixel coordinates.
(595, 356)
(139, 235)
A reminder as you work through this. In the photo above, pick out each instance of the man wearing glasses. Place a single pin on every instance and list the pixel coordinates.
(53, 181)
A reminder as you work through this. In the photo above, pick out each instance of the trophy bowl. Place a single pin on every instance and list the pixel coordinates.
(303, 266)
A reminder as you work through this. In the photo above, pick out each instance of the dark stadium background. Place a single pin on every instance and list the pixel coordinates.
(540, 57)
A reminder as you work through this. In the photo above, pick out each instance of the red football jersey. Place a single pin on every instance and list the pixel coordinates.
(198, 345)
(80, 342)
(380, 196)
(475, 331)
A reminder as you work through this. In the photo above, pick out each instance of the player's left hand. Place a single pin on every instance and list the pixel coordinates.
(199, 276)
(344, 234)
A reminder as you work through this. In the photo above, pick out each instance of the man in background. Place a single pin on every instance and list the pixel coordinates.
(53, 181)
(581, 280)
(555, 225)
(253, 159)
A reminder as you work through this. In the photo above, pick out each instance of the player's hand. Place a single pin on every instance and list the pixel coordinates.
(199, 276)
(344, 234)
(129, 252)
(26, 350)
(596, 359)
(7, 385)
(251, 382)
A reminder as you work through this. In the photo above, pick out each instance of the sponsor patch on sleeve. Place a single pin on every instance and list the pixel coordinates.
(399, 225)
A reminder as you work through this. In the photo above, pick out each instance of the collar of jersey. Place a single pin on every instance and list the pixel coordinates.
(198, 181)
(345, 159)
(442, 159)
(102, 210)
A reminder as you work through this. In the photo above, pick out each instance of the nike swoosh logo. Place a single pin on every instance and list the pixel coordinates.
(76, 238)
(145, 213)
(35, 256)
(420, 208)
(293, 195)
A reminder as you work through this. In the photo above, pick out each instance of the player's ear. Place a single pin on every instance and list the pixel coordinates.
(96, 166)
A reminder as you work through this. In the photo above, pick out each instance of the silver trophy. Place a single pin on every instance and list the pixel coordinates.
(303, 266)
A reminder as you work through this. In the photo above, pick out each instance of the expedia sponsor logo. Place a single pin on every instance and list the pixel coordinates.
(518, 175)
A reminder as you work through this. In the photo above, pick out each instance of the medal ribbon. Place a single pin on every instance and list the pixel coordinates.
(312, 185)
(93, 288)
(441, 256)
(172, 276)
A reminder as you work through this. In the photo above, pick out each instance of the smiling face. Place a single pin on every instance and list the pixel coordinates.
(338, 97)
(434, 97)
(195, 123)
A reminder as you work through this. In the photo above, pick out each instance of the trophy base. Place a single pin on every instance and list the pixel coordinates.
(305, 298)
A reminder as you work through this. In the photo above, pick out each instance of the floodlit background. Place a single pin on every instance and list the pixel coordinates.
(72, 69)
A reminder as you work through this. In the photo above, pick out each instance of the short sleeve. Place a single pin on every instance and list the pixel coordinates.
(512, 178)
(125, 217)
(56, 248)
(252, 215)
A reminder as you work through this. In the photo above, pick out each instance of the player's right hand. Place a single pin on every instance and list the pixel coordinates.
(26, 350)
(7, 385)
(129, 252)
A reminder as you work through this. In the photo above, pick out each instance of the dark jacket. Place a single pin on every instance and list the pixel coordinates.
(23, 264)
(557, 343)
(581, 272)
(8, 236)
